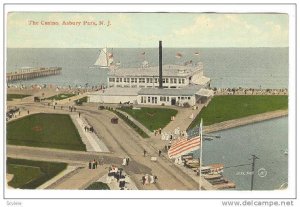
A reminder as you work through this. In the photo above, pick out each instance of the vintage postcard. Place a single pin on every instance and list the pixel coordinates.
(159, 102)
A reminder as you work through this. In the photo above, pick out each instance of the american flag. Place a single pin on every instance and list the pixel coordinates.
(186, 144)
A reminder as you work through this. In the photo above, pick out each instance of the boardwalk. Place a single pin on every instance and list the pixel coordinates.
(30, 73)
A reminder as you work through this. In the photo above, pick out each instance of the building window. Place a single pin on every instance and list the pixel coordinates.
(183, 80)
(148, 99)
(168, 99)
(155, 80)
(141, 80)
(148, 80)
(111, 80)
(179, 80)
(164, 80)
(155, 100)
(175, 80)
(167, 80)
(117, 80)
(163, 98)
(189, 98)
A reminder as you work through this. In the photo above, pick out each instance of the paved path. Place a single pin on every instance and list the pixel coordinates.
(81, 179)
(67, 156)
(90, 139)
(61, 175)
(244, 121)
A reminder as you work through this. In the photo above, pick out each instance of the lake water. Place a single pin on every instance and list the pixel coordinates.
(267, 140)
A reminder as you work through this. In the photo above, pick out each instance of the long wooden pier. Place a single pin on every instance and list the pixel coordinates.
(30, 73)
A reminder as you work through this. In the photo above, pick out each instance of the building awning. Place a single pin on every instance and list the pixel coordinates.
(205, 92)
(200, 81)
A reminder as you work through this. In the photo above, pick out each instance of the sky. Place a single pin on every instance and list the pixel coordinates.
(142, 30)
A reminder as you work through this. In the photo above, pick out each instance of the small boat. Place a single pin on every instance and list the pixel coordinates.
(104, 60)
(208, 138)
(212, 177)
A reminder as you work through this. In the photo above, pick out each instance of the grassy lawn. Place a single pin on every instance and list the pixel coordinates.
(130, 123)
(30, 174)
(98, 186)
(45, 130)
(10, 97)
(60, 96)
(152, 118)
(223, 108)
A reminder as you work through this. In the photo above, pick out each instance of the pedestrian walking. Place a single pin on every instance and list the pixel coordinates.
(127, 160)
(28, 112)
(155, 178)
(145, 153)
(159, 153)
(96, 164)
(79, 114)
(124, 161)
(143, 180)
(90, 165)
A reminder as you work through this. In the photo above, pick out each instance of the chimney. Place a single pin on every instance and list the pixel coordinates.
(160, 66)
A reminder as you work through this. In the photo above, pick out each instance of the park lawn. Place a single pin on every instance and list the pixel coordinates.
(223, 108)
(10, 97)
(60, 96)
(29, 174)
(45, 130)
(22, 174)
(151, 118)
(98, 186)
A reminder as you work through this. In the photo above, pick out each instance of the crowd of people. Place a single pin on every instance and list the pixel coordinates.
(149, 179)
(249, 91)
(115, 173)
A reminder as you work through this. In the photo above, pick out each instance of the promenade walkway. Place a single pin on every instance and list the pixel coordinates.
(90, 139)
(244, 121)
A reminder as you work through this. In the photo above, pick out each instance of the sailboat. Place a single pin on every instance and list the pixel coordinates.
(104, 61)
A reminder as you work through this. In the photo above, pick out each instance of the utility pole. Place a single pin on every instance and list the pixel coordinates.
(253, 167)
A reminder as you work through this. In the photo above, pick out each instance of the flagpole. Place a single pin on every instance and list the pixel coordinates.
(201, 149)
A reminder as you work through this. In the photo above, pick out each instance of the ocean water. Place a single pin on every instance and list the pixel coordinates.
(227, 67)
(267, 140)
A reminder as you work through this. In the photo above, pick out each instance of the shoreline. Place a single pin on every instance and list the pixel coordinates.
(245, 121)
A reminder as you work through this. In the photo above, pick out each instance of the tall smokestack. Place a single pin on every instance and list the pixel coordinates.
(160, 65)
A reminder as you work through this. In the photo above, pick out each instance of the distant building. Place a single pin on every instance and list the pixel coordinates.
(162, 85)
(174, 76)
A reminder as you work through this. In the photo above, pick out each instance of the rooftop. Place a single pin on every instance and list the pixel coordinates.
(168, 70)
(186, 91)
(114, 91)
